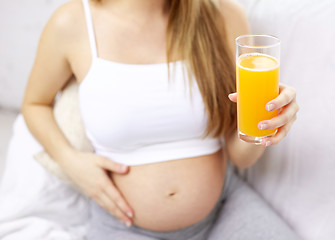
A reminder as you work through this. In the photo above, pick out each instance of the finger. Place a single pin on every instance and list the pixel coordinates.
(281, 133)
(233, 97)
(286, 115)
(105, 202)
(286, 95)
(112, 166)
(114, 194)
(113, 209)
(107, 186)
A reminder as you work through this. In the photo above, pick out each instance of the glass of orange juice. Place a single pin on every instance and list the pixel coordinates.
(257, 80)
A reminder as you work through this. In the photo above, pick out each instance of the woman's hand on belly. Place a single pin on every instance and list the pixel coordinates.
(90, 173)
(175, 194)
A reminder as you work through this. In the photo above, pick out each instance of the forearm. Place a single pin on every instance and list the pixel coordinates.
(243, 154)
(41, 123)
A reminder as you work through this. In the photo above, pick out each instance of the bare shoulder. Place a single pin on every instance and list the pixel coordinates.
(234, 15)
(236, 20)
(67, 21)
(231, 6)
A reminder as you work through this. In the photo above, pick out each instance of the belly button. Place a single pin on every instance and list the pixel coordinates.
(171, 194)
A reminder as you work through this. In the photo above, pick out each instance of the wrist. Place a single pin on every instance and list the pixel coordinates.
(65, 154)
(243, 154)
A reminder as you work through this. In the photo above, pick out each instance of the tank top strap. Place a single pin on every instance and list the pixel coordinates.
(90, 28)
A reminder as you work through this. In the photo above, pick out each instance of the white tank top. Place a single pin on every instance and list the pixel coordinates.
(134, 114)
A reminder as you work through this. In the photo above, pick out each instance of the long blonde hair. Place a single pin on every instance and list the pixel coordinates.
(196, 34)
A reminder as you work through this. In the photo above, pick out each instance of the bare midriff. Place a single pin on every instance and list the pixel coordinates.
(171, 195)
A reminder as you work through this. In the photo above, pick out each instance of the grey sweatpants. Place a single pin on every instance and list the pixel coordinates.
(240, 215)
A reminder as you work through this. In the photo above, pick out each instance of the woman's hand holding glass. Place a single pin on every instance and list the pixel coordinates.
(90, 173)
(287, 106)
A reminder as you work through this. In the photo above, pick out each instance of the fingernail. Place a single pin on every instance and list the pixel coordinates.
(129, 214)
(268, 143)
(263, 126)
(270, 107)
(123, 167)
(128, 223)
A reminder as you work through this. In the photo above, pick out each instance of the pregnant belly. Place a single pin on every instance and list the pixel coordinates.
(175, 194)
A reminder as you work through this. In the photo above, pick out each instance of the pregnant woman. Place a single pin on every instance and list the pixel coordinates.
(154, 78)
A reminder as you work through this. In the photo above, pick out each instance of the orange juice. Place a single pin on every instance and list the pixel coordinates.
(257, 84)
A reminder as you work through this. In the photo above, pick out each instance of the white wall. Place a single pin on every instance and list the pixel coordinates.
(21, 23)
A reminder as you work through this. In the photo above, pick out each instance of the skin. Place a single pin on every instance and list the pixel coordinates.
(138, 29)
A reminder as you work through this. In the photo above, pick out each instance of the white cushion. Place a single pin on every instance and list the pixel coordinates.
(296, 177)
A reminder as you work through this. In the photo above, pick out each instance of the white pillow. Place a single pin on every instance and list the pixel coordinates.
(68, 117)
(296, 177)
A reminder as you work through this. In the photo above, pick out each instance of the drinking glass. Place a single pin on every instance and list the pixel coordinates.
(257, 80)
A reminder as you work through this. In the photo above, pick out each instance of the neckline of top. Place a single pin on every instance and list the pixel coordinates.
(137, 64)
